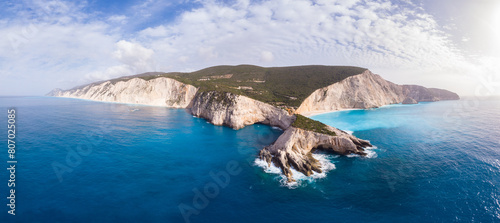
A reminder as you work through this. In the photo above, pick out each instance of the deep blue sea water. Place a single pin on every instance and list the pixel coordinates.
(434, 162)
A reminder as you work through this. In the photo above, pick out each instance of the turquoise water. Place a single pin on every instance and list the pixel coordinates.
(83, 161)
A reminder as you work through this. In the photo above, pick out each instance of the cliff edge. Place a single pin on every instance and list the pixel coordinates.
(368, 90)
(236, 111)
(159, 92)
(237, 96)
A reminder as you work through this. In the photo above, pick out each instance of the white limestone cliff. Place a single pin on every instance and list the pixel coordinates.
(236, 111)
(367, 90)
(159, 92)
(362, 91)
(293, 149)
(219, 108)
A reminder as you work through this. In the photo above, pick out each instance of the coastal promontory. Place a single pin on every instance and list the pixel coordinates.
(238, 96)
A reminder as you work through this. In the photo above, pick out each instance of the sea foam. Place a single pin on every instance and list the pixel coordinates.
(301, 179)
(370, 153)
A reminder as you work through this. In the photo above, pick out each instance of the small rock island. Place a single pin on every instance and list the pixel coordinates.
(238, 96)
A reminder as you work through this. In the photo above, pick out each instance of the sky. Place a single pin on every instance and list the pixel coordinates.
(47, 44)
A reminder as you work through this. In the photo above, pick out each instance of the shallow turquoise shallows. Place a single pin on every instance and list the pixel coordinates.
(84, 161)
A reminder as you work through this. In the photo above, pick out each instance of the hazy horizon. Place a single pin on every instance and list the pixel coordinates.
(448, 44)
(90, 82)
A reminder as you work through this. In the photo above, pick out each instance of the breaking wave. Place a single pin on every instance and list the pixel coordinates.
(302, 180)
(370, 153)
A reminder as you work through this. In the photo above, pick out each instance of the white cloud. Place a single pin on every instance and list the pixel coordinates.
(145, 10)
(299, 32)
(183, 59)
(121, 19)
(134, 55)
(159, 31)
(50, 52)
(109, 73)
(377, 35)
(267, 56)
(207, 53)
(403, 42)
(133, 59)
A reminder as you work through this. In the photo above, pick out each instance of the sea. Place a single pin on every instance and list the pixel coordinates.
(86, 161)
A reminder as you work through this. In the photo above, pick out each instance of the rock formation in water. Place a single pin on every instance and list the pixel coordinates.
(295, 146)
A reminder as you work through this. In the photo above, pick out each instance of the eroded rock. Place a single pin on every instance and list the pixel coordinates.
(236, 111)
(295, 146)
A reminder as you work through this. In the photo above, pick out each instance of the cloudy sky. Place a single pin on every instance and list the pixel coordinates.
(449, 44)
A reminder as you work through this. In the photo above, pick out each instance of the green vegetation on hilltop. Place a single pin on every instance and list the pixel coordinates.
(306, 123)
(279, 86)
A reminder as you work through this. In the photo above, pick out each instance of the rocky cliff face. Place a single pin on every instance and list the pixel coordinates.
(362, 91)
(160, 92)
(418, 93)
(444, 94)
(219, 108)
(408, 101)
(368, 90)
(295, 146)
(236, 111)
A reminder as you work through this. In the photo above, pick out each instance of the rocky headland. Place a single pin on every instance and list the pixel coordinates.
(368, 90)
(217, 95)
(294, 148)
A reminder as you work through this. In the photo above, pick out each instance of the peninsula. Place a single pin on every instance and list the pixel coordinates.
(238, 96)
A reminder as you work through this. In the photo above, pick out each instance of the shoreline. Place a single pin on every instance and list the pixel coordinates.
(115, 102)
(320, 112)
